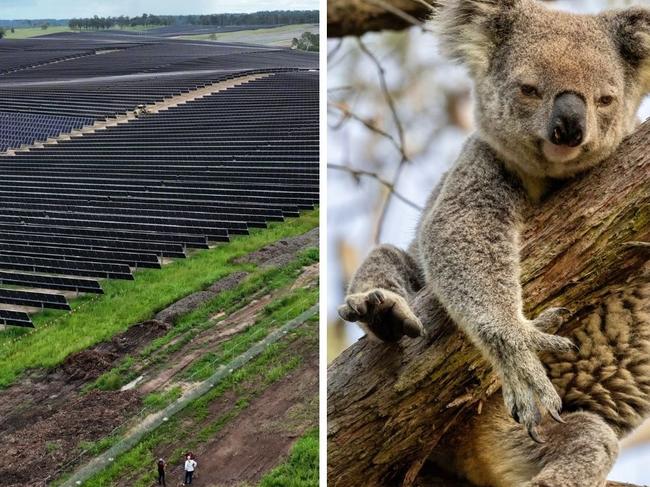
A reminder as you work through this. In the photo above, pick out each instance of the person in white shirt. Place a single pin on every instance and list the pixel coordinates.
(190, 467)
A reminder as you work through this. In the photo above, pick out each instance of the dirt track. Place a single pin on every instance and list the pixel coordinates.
(262, 435)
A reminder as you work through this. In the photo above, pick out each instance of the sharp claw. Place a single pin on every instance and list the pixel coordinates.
(344, 313)
(353, 308)
(532, 432)
(515, 415)
(556, 416)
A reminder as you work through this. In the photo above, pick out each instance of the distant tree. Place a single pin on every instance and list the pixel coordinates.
(306, 42)
(279, 17)
(213, 37)
(12, 30)
(45, 26)
(2, 32)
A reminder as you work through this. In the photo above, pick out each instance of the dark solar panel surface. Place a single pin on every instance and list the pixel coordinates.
(103, 204)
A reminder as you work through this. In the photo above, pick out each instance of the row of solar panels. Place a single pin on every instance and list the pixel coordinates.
(100, 205)
(117, 59)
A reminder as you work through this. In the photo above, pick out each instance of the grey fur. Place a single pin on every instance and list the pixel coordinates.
(467, 246)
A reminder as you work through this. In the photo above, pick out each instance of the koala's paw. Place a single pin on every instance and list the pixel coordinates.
(539, 338)
(527, 391)
(384, 313)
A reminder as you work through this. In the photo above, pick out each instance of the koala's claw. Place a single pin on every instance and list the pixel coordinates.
(543, 339)
(532, 432)
(556, 416)
(527, 391)
(386, 314)
(551, 319)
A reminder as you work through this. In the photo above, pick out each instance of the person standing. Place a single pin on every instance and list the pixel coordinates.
(161, 472)
(190, 467)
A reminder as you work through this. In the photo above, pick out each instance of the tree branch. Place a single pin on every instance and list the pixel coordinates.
(388, 406)
(356, 17)
(356, 173)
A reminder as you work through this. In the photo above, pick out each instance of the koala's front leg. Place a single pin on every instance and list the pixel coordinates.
(379, 295)
(469, 247)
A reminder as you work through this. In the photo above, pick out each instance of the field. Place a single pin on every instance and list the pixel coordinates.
(158, 262)
(275, 36)
(27, 32)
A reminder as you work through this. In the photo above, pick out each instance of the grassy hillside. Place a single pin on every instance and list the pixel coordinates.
(26, 32)
(274, 36)
(228, 371)
(97, 318)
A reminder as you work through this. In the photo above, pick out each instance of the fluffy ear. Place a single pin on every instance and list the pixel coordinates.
(471, 30)
(631, 32)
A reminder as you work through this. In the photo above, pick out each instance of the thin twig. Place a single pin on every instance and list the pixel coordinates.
(384, 88)
(400, 131)
(368, 124)
(357, 173)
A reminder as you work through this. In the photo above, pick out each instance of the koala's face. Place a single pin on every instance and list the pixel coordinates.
(556, 92)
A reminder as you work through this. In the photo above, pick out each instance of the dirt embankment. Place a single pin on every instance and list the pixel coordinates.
(194, 300)
(45, 416)
(283, 251)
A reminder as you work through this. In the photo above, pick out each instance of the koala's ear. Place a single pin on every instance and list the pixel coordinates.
(631, 33)
(470, 30)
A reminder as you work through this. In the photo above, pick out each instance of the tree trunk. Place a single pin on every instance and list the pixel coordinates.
(389, 405)
(355, 17)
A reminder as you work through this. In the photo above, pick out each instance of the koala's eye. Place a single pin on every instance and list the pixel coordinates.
(529, 91)
(605, 101)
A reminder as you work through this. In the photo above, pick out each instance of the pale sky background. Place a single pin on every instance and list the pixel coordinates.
(65, 9)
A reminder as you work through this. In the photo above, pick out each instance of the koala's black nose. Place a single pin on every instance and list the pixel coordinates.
(568, 120)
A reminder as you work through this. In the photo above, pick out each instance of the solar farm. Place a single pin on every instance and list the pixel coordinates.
(124, 152)
(158, 261)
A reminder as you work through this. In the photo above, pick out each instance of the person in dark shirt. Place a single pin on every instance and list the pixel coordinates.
(161, 472)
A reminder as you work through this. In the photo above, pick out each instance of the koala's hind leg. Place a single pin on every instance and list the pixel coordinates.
(578, 453)
(380, 292)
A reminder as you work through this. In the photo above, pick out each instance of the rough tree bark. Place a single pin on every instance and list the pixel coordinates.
(389, 405)
(354, 17)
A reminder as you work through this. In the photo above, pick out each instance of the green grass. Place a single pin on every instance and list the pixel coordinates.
(301, 469)
(273, 36)
(26, 32)
(95, 319)
(186, 429)
(158, 351)
(160, 400)
(275, 315)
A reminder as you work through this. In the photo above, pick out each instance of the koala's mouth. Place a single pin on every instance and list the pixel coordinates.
(560, 153)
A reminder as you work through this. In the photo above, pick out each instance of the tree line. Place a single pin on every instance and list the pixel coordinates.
(277, 17)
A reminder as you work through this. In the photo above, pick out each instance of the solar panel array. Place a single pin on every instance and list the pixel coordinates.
(17, 55)
(101, 205)
(17, 129)
(63, 96)
(104, 204)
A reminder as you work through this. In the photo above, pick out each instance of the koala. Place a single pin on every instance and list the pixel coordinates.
(555, 93)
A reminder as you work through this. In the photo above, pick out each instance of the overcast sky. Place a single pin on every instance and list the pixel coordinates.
(65, 9)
